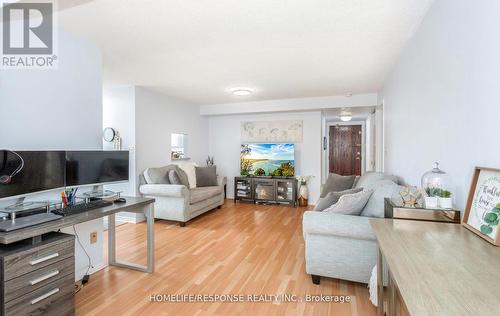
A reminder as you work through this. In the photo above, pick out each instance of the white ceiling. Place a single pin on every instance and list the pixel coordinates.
(196, 50)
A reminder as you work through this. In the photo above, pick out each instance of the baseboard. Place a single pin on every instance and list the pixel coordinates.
(133, 218)
(126, 217)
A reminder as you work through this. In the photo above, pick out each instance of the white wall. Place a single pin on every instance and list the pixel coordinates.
(58, 109)
(157, 116)
(225, 141)
(441, 99)
(119, 113)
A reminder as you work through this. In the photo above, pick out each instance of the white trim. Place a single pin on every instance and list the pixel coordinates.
(326, 151)
(380, 138)
(291, 105)
(125, 217)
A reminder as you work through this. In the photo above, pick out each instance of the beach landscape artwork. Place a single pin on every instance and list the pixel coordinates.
(276, 160)
(272, 131)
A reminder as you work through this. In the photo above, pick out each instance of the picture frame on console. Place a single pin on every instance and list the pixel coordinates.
(482, 212)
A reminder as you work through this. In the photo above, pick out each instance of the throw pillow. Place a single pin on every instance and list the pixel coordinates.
(189, 169)
(158, 175)
(381, 190)
(173, 177)
(206, 176)
(369, 179)
(336, 183)
(332, 198)
(183, 178)
(350, 204)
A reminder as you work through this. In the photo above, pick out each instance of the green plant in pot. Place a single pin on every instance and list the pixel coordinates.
(445, 200)
(431, 197)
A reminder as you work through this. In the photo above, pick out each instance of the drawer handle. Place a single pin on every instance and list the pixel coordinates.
(40, 260)
(45, 277)
(44, 296)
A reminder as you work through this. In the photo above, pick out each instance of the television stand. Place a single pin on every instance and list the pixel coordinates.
(266, 190)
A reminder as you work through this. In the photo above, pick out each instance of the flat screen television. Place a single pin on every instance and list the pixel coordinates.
(42, 171)
(96, 167)
(272, 160)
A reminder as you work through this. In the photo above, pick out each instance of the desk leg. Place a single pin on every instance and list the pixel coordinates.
(380, 284)
(111, 239)
(391, 300)
(149, 213)
(150, 218)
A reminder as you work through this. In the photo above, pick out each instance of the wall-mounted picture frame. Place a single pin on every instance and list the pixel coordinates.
(482, 212)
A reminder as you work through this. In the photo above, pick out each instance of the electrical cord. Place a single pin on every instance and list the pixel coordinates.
(84, 250)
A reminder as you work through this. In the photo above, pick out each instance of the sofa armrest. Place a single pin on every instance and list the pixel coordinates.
(168, 190)
(331, 224)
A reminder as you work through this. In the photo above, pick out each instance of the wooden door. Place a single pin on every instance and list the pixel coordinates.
(345, 150)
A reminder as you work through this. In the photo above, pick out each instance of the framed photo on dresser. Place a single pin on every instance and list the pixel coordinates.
(482, 212)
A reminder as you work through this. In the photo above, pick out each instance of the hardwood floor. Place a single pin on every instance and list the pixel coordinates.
(240, 249)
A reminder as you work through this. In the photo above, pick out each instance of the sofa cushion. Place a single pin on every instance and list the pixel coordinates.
(332, 198)
(173, 177)
(350, 204)
(189, 169)
(336, 183)
(158, 175)
(381, 190)
(206, 176)
(369, 179)
(161, 175)
(201, 194)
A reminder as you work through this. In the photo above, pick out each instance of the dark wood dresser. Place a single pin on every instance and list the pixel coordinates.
(38, 278)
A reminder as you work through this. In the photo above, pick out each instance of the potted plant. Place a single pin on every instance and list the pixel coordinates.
(431, 198)
(445, 200)
(303, 190)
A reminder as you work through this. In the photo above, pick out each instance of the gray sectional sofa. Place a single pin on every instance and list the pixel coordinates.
(177, 202)
(343, 246)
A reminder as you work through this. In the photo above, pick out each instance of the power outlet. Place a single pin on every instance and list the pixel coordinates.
(93, 237)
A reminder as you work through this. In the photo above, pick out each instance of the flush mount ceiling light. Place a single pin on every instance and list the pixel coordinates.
(242, 91)
(345, 115)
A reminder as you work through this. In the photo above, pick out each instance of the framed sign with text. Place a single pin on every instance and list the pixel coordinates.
(482, 212)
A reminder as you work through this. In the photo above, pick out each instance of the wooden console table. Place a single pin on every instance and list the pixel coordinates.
(436, 269)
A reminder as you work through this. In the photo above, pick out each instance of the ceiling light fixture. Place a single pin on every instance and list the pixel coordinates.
(241, 92)
(345, 116)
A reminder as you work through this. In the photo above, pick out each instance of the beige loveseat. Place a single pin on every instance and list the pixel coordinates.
(179, 203)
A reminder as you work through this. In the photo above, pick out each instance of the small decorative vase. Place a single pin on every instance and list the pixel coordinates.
(431, 202)
(446, 203)
(303, 194)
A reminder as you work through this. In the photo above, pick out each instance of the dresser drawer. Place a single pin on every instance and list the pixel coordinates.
(36, 257)
(26, 283)
(55, 298)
